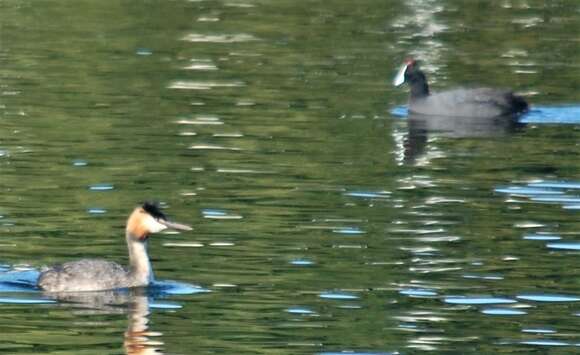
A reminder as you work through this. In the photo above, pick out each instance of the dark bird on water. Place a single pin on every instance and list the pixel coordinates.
(461, 102)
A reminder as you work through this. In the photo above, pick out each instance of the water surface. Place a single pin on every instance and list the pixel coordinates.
(323, 222)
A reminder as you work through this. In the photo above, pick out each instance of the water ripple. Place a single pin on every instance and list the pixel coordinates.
(546, 342)
(563, 246)
(539, 330)
(219, 214)
(557, 199)
(96, 210)
(300, 310)
(503, 311)
(201, 64)
(556, 184)
(527, 191)
(201, 120)
(418, 292)
(541, 237)
(340, 296)
(219, 38)
(477, 300)
(302, 262)
(545, 297)
(564, 114)
(164, 305)
(184, 245)
(101, 187)
(242, 171)
(169, 287)
(571, 207)
(203, 85)
(14, 300)
(80, 162)
(348, 231)
(212, 147)
(483, 277)
(368, 194)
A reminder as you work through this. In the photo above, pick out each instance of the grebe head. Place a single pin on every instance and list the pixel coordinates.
(148, 219)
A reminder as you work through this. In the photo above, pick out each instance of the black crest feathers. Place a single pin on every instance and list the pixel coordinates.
(153, 209)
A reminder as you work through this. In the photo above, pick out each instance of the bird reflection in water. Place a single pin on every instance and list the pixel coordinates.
(137, 336)
(413, 145)
(134, 302)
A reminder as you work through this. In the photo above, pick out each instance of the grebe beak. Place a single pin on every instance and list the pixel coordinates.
(400, 78)
(175, 225)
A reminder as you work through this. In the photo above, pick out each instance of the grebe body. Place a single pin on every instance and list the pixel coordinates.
(97, 274)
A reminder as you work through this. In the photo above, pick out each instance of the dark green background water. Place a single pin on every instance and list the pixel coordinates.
(276, 114)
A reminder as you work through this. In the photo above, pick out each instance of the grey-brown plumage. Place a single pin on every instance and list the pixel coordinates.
(80, 275)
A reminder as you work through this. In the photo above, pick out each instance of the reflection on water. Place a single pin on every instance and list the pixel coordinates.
(19, 287)
(560, 114)
(422, 129)
(138, 336)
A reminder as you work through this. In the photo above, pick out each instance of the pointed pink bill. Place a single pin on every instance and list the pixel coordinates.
(175, 225)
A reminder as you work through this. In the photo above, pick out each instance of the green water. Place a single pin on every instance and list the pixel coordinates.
(276, 115)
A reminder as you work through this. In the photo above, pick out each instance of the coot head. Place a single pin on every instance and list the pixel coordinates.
(411, 74)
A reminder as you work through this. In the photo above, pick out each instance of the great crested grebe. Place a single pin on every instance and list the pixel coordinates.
(97, 274)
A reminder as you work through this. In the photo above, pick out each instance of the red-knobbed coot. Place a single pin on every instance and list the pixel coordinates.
(477, 102)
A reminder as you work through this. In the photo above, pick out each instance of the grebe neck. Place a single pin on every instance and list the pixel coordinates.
(140, 270)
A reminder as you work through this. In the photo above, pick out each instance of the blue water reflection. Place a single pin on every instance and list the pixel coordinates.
(302, 262)
(339, 296)
(541, 237)
(211, 213)
(96, 210)
(565, 114)
(101, 187)
(483, 277)
(547, 342)
(477, 300)
(539, 330)
(503, 311)
(164, 305)
(564, 246)
(414, 292)
(526, 191)
(556, 184)
(369, 194)
(80, 162)
(540, 297)
(300, 310)
(348, 231)
(22, 286)
(557, 192)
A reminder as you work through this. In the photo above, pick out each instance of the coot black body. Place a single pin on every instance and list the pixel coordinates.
(463, 102)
